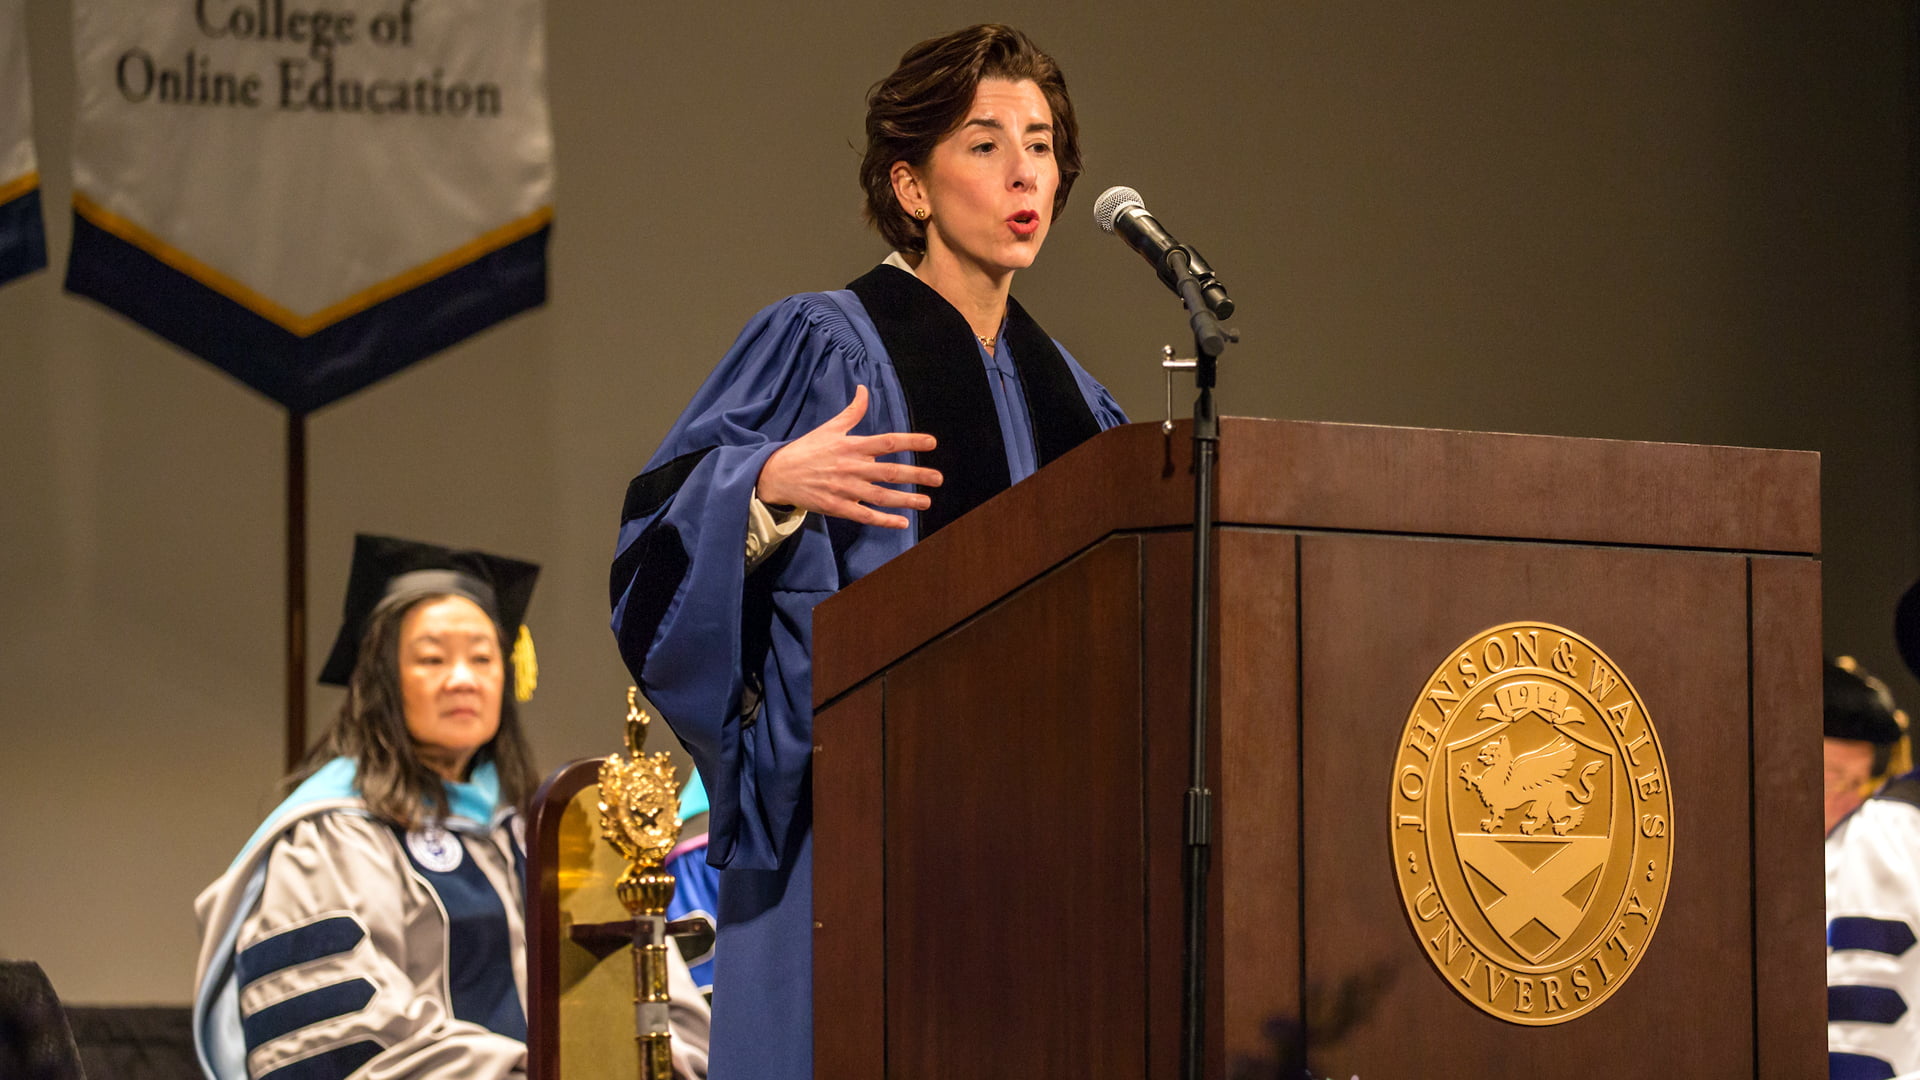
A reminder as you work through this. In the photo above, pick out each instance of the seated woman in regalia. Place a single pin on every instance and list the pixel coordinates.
(373, 925)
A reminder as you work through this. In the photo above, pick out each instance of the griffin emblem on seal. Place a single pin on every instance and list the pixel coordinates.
(1537, 777)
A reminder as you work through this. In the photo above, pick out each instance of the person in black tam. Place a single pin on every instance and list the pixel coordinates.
(373, 925)
(1864, 737)
(840, 429)
(1873, 885)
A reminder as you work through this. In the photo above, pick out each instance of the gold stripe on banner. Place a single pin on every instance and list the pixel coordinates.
(13, 189)
(306, 325)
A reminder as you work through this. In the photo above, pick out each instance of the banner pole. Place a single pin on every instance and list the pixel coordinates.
(296, 741)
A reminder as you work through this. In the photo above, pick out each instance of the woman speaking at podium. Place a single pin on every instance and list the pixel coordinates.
(841, 428)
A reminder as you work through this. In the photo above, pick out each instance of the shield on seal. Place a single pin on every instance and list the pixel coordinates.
(1530, 804)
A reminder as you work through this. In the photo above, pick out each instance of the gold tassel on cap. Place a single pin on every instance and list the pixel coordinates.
(526, 666)
(1900, 761)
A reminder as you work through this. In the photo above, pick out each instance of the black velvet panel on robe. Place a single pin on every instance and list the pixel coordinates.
(937, 358)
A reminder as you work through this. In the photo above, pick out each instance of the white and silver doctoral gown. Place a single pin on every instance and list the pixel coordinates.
(1873, 917)
(339, 945)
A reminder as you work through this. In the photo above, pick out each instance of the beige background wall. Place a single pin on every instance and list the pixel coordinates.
(1688, 221)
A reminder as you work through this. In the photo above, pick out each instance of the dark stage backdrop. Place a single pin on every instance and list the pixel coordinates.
(1689, 221)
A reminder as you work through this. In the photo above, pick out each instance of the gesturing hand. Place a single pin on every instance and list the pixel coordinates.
(828, 471)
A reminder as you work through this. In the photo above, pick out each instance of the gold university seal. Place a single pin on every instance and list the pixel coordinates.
(1532, 823)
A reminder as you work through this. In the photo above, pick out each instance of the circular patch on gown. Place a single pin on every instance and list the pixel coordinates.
(436, 849)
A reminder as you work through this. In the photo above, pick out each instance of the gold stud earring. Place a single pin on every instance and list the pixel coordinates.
(920, 212)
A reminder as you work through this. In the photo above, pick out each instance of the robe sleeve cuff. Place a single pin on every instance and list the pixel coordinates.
(768, 528)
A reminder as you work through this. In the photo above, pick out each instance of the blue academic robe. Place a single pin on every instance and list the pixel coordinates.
(726, 655)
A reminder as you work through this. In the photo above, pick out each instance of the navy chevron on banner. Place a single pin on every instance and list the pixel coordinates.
(311, 201)
(330, 361)
(23, 238)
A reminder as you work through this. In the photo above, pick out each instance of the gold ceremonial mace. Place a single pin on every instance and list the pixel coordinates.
(639, 816)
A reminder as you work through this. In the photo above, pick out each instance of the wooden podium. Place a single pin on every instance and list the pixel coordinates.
(1001, 754)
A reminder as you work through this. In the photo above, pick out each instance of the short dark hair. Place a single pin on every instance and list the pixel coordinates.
(926, 99)
(372, 730)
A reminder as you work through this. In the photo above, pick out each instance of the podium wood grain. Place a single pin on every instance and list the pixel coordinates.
(1001, 715)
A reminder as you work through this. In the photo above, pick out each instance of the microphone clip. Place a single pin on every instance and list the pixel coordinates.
(1212, 289)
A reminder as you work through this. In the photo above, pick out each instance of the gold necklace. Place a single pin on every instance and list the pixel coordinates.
(987, 341)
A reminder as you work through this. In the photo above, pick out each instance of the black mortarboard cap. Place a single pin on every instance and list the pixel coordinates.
(385, 565)
(1858, 705)
(1906, 628)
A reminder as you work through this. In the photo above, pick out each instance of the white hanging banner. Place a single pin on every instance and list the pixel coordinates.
(23, 238)
(312, 195)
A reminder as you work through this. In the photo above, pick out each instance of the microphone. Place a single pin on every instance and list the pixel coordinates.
(1119, 210)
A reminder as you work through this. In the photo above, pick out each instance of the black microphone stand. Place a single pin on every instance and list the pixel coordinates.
(1209, 341)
